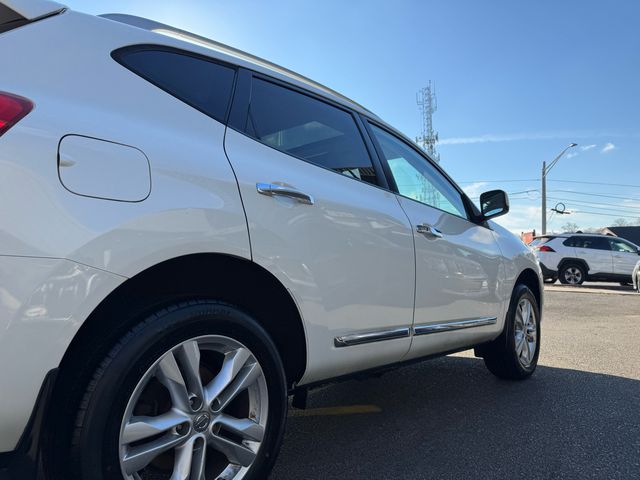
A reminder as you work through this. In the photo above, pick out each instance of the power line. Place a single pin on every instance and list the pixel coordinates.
(597, 183)
(593, 204)
(505, 181)
(595, 194)
(605, 214)
(554, 180)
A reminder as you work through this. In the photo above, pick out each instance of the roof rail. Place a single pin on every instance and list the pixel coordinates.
(33, 9)
(153, 26)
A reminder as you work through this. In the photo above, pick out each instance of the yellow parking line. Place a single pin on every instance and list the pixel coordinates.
(327, 411)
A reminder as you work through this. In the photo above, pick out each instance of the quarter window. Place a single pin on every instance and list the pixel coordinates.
(309, 129)
(594, 243)
(416, 178)
(201, 83)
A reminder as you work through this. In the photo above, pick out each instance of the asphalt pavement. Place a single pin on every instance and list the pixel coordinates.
(578, 417)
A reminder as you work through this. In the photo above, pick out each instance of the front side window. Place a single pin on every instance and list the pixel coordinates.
(620, 246)
(416, 178)
(201, 83)
(307, 128)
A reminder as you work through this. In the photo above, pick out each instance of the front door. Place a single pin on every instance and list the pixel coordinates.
(625, 256)
(321, 223)
(458, 262)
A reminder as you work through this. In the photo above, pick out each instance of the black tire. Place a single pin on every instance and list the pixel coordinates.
(94, 452)
(500, 356)
(571, 270)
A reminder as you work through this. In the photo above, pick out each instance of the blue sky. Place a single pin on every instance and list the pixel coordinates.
(516, 82)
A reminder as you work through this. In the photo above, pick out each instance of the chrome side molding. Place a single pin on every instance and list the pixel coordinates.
(370, 337)
(404, 332)
(455, 325)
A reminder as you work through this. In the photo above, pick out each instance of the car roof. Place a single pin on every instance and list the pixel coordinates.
(241, 58)
(206, 46)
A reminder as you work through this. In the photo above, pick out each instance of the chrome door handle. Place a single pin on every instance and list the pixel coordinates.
(272, 190)
(428, 230)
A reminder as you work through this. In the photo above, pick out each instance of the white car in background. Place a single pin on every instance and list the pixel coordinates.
(189, 234)
(574, 258)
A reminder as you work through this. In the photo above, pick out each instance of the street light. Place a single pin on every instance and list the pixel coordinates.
(545, 171)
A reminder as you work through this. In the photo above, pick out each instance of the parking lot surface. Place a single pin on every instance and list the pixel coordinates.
(578, 417)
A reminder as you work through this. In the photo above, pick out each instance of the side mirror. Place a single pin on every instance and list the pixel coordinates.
(493, 204)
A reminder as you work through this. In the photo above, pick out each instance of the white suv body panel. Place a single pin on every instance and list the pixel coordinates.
(195, 193)
(457, 279)
(317, 252)
(83, 248)
(193, 206)
(43, 302)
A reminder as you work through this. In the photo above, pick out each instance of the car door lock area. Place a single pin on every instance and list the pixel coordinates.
(428, 230)
(277, 190)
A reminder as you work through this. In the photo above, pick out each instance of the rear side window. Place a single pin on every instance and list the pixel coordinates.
(594, 243)
(309, 129)
(10, 19)
(199, 82)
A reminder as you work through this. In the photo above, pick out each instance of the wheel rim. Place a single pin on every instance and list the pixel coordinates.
(573, 275)
(526, 333)
(199, 412)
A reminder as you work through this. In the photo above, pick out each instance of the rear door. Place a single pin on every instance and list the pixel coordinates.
(596, 251)
(625, 256)
(458, 263)
(321, 223)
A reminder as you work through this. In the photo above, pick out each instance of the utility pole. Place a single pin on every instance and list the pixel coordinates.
(545, 171)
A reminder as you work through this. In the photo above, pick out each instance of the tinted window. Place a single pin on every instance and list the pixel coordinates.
(309, 129)
(415, 177)
(201, 83)
(595, 243)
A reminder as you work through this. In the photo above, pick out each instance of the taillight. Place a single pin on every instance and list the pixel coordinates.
(544, 248)
(12, 109)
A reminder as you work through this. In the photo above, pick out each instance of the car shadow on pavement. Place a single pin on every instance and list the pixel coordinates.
(451, 419)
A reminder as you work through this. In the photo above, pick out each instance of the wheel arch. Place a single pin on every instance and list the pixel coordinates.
(579, 261)
(237, 281)
(531, 280)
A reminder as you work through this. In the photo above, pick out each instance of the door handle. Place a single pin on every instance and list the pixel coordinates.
(273, 190)
(429, 230)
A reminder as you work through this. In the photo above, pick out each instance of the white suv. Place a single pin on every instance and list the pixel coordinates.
(576, 257)
(189, 234)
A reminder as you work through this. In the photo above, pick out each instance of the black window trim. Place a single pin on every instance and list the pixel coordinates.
(473, 215)
(151, 47)
(240, 111)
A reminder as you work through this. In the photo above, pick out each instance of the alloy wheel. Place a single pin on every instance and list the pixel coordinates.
(199, 412)
(526, 333)
(573, 275)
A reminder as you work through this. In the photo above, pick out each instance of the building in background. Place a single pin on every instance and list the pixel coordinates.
(628, 233)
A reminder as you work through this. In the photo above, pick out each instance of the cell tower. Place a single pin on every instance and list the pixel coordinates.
(428, 104)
